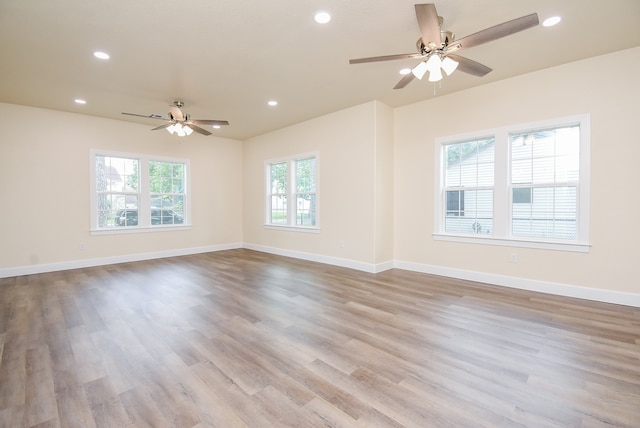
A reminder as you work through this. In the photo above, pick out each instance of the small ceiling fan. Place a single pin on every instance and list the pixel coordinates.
(181, 123)
(436, 47)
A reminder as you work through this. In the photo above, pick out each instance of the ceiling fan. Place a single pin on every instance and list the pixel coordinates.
(181, 123)
(436, 47)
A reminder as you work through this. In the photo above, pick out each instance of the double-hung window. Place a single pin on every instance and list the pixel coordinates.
(137, 192)
(525, 185)
(545, 179)
(468, 189)
(291, 194)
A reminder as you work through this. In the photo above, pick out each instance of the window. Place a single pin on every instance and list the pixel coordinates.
(469, 186)
(166, 188)
(545, 167)
(118, 191)
(519, 185)
(135, 192)
(291, 197)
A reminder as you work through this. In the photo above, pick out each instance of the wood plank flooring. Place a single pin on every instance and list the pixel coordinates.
(245, 339)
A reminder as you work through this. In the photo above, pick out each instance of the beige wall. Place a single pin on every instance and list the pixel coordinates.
(590, 86)
(383, 222)
(347, 143)
(44, 187)
(375, 182)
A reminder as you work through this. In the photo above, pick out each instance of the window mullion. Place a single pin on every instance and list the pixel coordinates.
(501, 187)
(144, 198)
(291, 194)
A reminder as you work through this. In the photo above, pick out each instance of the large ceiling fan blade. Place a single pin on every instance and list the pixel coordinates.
(384, 58)
(198, 129)
(470, 66)
(208, 122)
(429, 25)
(498, 31)
(148, 116)
(162, 126)
(404, 81)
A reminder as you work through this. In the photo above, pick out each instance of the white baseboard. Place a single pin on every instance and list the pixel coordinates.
(334, 261)
(83, 263)
(587, 293)
(567, 290)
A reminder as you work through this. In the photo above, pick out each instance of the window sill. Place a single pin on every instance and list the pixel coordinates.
(125, 230)
(303, 229)
(511, 242)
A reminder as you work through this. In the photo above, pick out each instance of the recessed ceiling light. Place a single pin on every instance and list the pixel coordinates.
(101, 55)
(405, 71)
(272, 103)
(80, 101)
(322, 17)
(551, 21)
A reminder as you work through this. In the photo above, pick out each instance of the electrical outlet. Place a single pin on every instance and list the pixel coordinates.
(82, 246)
(341, 244)
(513, 258)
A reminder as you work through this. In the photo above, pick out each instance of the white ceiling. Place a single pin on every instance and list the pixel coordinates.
(226, 58)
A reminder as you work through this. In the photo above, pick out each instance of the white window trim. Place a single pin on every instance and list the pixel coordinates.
(145, 196)
(502, 214)
(290, 193)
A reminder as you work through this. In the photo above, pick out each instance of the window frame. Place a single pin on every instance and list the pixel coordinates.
(291, 193)
(144, 194)
(479, 187)
(503, 189)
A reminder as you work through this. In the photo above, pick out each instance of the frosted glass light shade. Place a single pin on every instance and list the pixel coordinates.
(433, 63)
(419, 70)
(435, 75)
(449, 65)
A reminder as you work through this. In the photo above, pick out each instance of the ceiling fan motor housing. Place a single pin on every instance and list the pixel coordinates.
(446, 37)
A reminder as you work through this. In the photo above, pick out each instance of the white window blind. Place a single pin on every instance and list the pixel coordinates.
(468, 192)
(522, 185)
(545, 171)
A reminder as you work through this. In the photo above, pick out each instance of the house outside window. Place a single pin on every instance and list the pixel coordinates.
(137, 192)
(117, 189)
(545, 177)
(524, 185)
(468, 189)
(291, 195)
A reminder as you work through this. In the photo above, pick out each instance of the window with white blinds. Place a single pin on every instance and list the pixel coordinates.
(469, 177)
(545, 176)
(518, 185)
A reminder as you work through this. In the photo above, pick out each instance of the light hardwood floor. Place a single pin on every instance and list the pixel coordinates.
(241, 338)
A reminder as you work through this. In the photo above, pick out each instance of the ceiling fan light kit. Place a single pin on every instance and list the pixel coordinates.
(433, 66)
(180, 130)
(180, 123)
(437, 47)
